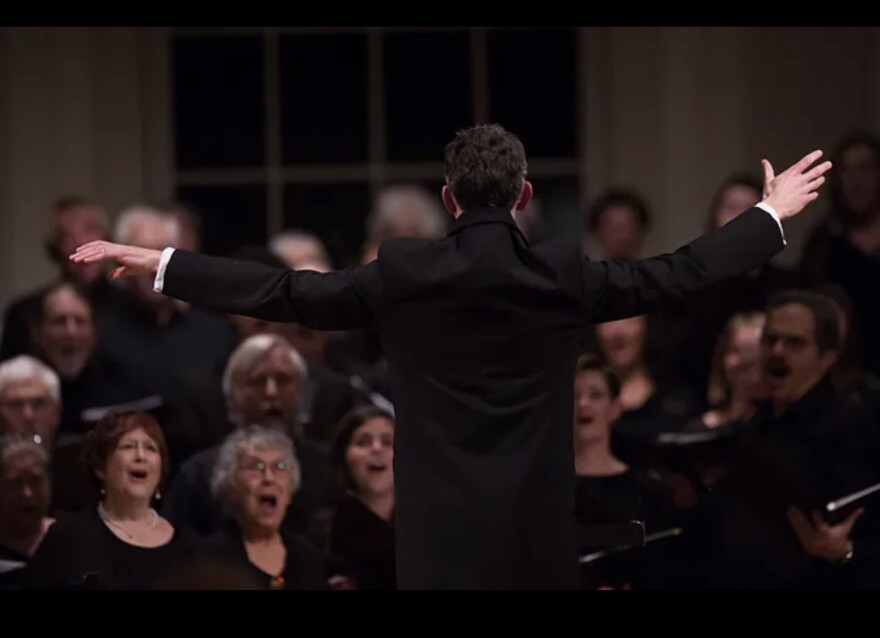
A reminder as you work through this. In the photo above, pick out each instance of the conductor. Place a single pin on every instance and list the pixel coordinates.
(482, 334)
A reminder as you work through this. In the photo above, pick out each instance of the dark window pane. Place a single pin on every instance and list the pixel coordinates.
(428, 92)
(533, 88)
(232, 216)
(218, 101)
(324, 98)
(334, 212)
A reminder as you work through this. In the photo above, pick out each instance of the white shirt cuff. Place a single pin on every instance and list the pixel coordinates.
(159, 282)
(767, 207)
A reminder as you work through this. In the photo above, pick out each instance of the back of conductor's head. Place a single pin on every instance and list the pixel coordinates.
(486, 167)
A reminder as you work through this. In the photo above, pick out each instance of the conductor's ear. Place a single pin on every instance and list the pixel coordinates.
(525, 196)
(448, 200)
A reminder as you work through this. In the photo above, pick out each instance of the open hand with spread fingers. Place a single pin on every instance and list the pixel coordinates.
(790, 191)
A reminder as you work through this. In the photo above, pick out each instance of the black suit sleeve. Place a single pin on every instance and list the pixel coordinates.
(613, 290)
(340, 300)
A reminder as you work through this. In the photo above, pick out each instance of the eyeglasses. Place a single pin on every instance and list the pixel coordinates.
(260, 467)
(38, 404)
(281, 381)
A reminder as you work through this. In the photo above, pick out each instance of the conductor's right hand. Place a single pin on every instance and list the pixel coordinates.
(131, 260)
(790, 191)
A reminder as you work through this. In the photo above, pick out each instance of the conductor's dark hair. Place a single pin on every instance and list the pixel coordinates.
(625, 197)
(824, 312)
(485, 167)
(592, 363)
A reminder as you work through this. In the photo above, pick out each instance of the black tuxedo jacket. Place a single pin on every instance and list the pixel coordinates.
(482, 334)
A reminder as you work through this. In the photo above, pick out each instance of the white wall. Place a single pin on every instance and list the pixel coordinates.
(675, 109)
(82, 110)
(670, 110)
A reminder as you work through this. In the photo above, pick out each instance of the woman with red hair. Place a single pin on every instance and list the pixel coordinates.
(123, 543)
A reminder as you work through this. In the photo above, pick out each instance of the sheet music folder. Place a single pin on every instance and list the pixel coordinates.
(616, 549)
(608, 535)
(838, 509)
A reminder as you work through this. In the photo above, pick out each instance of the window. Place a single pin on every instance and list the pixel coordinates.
(301, 127)
(219, 109)
(324, 98)
(334, 212)
(427, 92)
(232, 215)
(533, 90)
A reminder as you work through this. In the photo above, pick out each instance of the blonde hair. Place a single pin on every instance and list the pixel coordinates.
(718, 391)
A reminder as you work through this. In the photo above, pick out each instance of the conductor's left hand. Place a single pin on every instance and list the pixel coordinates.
(131, 260)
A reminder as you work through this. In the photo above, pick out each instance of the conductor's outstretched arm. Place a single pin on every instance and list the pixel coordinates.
(347, 299)
(614, 290)
(339, 300)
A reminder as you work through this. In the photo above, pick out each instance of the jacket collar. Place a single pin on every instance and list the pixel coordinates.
(483, 215)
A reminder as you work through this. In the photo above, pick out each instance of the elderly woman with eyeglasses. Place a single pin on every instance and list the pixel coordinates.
(255, 476)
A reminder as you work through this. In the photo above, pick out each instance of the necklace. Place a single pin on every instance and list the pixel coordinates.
(276, 582)
(154, 518)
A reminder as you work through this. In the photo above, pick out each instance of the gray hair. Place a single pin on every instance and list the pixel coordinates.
(398, 202)
(250, 353)
(16, 446)
(24, 367)
(134, 217)
(252, 436)
(292, 240)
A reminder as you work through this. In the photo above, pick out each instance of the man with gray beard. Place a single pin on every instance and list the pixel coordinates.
(262, 384)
